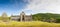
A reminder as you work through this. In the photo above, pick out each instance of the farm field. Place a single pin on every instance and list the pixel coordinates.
(28, 24)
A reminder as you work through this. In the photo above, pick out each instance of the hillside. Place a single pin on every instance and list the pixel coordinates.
(46, 16)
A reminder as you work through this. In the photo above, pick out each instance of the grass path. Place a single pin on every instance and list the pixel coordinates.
(28, 24)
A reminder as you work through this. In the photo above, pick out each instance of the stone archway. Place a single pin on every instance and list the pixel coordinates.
(23, 18)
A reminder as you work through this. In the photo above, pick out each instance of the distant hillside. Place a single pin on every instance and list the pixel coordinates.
(46, 16)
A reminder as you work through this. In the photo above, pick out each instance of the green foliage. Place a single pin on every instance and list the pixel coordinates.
(46, 16)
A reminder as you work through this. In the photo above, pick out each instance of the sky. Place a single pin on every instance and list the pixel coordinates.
(15, 7)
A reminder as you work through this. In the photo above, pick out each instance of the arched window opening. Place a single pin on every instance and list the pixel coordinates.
(23, 17)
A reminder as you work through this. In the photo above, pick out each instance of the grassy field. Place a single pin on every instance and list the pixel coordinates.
(28, 24)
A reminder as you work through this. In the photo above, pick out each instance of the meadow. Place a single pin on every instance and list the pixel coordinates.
(28, 24)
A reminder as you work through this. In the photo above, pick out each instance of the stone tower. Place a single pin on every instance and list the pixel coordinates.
(22, 16)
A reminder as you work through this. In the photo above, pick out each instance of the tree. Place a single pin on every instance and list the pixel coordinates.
(4, 17)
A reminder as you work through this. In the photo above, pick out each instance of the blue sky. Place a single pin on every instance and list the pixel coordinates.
(11, 6)
(15, 7)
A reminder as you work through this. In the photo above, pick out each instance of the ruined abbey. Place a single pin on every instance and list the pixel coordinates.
(21, 17)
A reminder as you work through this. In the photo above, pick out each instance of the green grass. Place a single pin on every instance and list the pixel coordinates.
(28, 24)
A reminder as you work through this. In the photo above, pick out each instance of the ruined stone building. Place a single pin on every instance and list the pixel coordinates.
(21, 17)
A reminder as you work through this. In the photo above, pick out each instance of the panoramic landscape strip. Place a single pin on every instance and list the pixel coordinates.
(29, 13)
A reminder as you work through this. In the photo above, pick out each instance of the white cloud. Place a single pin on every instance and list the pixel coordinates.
(43, 6)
